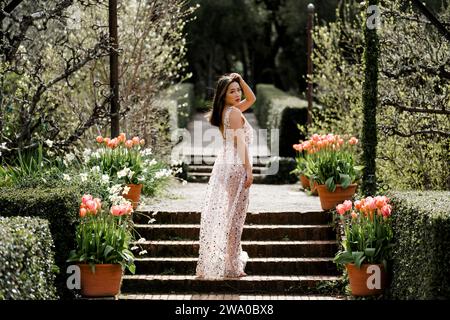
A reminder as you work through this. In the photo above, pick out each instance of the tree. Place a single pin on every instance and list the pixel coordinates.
(370, 102)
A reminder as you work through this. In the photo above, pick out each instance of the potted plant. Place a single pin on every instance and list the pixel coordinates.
(332, 168)
(122, 158)
(301, 169)
(367, 243)
(102, 250)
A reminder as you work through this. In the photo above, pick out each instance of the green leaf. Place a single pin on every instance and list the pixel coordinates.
(369, 252)
(331, 186)
(359, 257)
(345, 180)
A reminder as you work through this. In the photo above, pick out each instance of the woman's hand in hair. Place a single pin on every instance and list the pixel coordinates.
(236, 76)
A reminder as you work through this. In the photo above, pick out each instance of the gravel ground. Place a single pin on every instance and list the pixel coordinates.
(263, 198)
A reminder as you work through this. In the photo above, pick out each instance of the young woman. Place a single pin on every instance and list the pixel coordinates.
(227, 197)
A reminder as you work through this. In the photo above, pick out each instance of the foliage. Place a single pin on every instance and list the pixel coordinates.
(26, 259)
(54, 71)
(103, 236)
(328, 160)
(421, 228)
(412, 150)
(367, 231)
(58, 206)
(278, 110)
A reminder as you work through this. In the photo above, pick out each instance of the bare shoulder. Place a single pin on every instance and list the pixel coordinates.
(236, 120)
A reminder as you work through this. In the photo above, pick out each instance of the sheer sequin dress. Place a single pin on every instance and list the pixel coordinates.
(224, 210)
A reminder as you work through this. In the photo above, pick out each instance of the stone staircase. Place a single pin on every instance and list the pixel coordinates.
(290, 257)
(200, 167)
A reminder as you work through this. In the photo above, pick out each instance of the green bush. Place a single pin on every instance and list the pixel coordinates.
(421, 225)
(284, 175)
(58, 206)
(276, 109)
(26, 259)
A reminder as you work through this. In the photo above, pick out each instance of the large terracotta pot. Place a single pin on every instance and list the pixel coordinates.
(329, 200)
(361, 285)
(105, 282)
(134, 194)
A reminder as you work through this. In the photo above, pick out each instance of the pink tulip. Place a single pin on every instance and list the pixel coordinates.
(98, 202)
(142, 142)
(135, 141)
(122, 137)
(340, 209)
(129, 144)
(99, 139)
(353, 141)
(354, 215)
(91, 206)
(116, 210)
(86, 198)
(358, 204)
(386, 210)
(82, 212)
(347, 205)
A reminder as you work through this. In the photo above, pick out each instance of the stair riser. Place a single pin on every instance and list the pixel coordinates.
(260, 218)
(275, 234)
(255, 251)
(229, 286)
(252, 268)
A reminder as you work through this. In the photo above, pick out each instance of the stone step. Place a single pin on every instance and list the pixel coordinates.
(208, 159)
(255, 266)
(207, 169)
(183, 248)
(249, 284)
(250, 232)
(184, 217)
(226, 296)
(203, 177)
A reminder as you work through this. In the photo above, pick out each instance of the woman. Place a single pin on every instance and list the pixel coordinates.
(226, 200)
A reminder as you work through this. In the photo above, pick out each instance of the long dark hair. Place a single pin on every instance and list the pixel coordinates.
(215, 115)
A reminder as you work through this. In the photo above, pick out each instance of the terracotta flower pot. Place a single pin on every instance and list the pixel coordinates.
(105, 282)
(330, 200)
(134, 194)
(365, 282)
(304, 181)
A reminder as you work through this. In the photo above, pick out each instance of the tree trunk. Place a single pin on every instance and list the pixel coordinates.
(370, 102)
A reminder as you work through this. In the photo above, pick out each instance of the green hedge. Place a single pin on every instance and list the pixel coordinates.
(276, 109)
(179, 99)
(283, 175)
(58, 206)
(26, 259)
(421, 266)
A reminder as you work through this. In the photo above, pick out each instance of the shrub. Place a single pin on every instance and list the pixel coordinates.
(421, 266)
(59, 207)
(26, 259)
(283, 175)
(276, 109)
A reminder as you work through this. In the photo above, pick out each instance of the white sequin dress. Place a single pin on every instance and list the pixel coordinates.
(224, 211)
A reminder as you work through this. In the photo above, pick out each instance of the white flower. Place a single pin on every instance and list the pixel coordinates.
(134, 248)
(184, 182)
(176, 163)
(95, 155)
(141, 240)
(115, 189)
(3, 146)
(155, 213)
(143, 252)
(151, 220)
(83, 177)
(130, 174)
(162, 173)
(95, 169)
(123, 173)
(49, 142)
(105, 178)
(150, 163)
(146, 152)
(69, 157)
(126, 189)
(86, 154)
(66, 177)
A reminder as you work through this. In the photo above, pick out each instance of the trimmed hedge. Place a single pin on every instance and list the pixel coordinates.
(276, 109)
(58, 206)
(180, 102)
(421, 266)
(283, 175)
(26, 259)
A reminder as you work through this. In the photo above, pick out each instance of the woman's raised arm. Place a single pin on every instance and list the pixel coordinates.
(250, 97)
